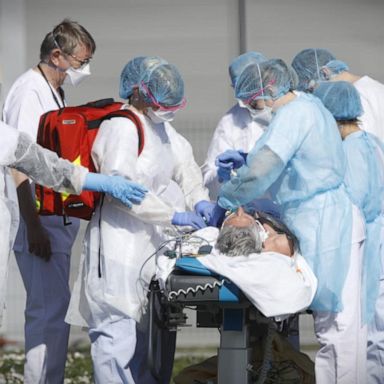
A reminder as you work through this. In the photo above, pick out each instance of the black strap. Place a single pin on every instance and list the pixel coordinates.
(60, 90)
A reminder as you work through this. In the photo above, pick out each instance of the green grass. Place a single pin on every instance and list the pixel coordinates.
(78, 368)
(185, 361)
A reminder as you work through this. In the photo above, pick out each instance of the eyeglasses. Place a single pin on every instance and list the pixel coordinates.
(172, 108)
(81, 62)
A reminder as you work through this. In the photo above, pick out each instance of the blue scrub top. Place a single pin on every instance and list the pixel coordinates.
(364, 180)
(300, 160)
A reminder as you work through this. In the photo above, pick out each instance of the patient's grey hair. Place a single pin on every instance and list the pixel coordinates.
(235, 241)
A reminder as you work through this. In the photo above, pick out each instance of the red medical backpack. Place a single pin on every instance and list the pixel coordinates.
(70, 132)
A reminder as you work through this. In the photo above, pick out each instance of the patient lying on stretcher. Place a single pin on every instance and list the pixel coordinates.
(241, 234)
(260, 256)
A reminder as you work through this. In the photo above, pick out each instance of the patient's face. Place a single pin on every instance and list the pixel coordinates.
(239, 219)
(276, 242)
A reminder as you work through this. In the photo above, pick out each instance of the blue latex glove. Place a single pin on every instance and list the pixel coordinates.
(231, 158)
(120, 188)
(204, 208)
(218, 215)
(227, 161)
(191, 219)
(224, 174)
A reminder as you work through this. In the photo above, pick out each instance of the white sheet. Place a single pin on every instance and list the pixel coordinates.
(276, 284)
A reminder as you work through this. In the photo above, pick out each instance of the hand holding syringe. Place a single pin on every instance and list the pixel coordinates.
(227, 162)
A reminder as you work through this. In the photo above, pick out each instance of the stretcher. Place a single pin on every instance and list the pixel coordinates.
(218, 304)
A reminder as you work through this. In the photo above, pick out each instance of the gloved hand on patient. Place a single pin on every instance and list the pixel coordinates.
(227, 161)
(205, 209)
(191, 219)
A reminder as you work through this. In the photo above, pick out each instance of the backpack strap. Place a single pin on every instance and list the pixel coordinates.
(100, 103)
(134, 118)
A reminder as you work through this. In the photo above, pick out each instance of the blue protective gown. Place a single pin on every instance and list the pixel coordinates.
(364, 180)
(301, 160)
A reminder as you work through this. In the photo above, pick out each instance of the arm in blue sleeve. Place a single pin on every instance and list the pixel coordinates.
(252, 180)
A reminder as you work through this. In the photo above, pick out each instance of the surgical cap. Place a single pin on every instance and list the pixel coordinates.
(341, 98)
(164, 84)
(336, 66)
(240, 62)
(307, 64)
(254, 80)
(132, 72)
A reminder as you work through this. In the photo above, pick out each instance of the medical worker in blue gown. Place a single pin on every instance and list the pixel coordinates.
(300, 160)
(314, 65)
(118, 259)
(365, 183)
(238, 129)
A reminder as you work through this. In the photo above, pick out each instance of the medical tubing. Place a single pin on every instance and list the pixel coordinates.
(161, 246)
(174, 294)
(140, 280)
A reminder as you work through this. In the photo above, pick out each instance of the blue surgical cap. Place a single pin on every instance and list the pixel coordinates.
(163, 83)
(307, 64)
(133, 71)
(335, 67)
(238, 64)
(255, 78)
(341, 98)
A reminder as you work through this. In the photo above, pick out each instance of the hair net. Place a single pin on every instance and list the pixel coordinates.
(269, 80)
(334, 67)
(133, 70)
(341, 98)
(307, 64)
(162, 84)
(240, 62)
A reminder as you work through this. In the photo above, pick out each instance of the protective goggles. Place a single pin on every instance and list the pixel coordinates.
(260, 94)
(172, 108)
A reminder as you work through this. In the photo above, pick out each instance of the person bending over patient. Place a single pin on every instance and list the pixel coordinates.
(241, 234)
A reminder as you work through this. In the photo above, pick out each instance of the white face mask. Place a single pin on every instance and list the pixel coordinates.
(75, 76)
(158, 116)
(260, 116)
(263, 233)
(241, 103)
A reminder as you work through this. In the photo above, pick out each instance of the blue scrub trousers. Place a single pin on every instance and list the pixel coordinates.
(46, 333)
(375, 351)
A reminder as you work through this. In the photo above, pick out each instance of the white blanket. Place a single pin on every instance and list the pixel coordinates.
(276, 284)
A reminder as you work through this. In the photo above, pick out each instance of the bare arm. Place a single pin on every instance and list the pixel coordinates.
(38, 239)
